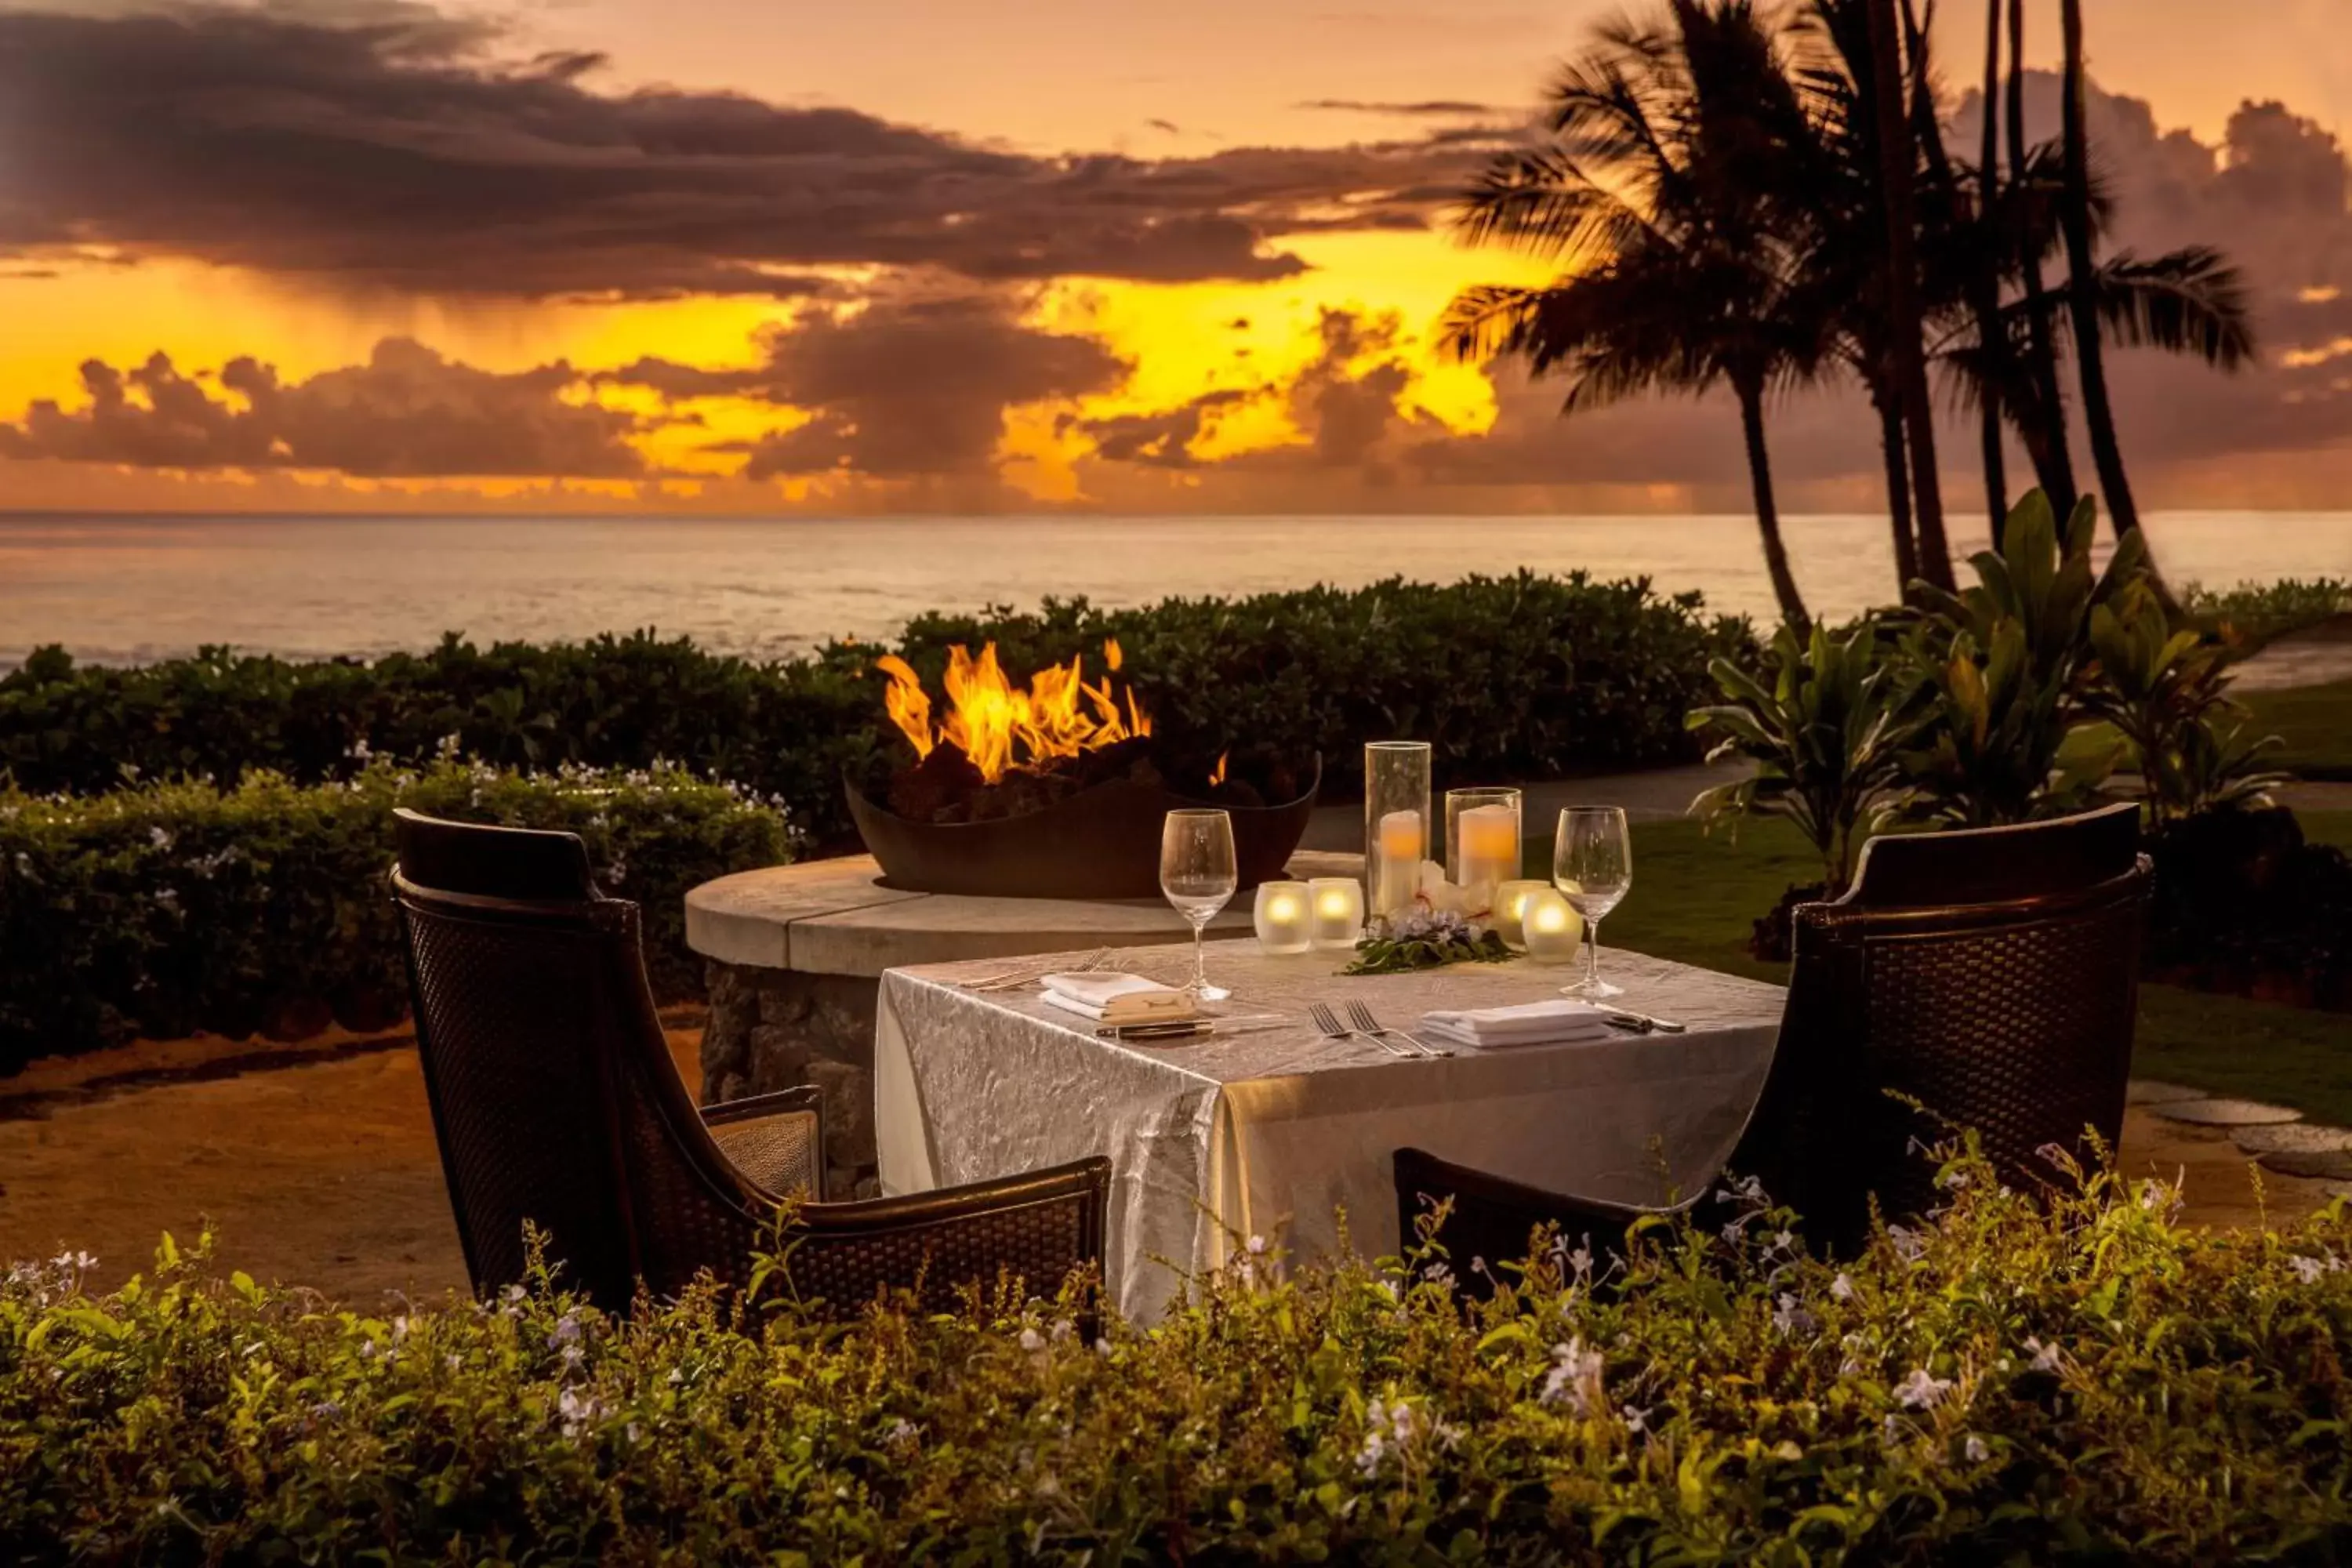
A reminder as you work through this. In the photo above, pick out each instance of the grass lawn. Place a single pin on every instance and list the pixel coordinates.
(1694, 898)
(2315, 721)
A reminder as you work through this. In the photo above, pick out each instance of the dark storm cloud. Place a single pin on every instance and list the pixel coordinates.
(407, 412)
(391, 146)
(1162, 438)
(1428, 108)
(909, 385)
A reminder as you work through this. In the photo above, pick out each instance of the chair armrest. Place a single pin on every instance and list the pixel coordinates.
(777, 1140)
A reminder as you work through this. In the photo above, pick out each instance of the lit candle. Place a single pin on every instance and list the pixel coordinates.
(1401, 843)
(1509, 899)
(1552, 930)
(1490, 846)
(1281, 923)
(1339, 910)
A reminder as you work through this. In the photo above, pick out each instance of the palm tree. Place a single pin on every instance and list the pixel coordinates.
(1986, 272)
(1898, 165)
(2083, 289)
(1658, 194)
(2041, 420)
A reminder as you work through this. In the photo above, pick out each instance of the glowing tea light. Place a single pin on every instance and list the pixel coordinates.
(1550, 929)
(1489, 846)
(1402, 842)
(1338, 904)
(1510, 900)
(1282, 920)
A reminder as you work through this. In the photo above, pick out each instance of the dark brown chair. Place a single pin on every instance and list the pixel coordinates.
(555, 1100)
(1992, 975)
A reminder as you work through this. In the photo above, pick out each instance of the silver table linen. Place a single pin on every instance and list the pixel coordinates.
(1278, 1134)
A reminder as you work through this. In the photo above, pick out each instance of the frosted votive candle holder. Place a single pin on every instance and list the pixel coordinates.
(1283, 924)
(1338, 911)
(1509, 901)
(1552, 930)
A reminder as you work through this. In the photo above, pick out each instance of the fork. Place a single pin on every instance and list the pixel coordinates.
(1366, 1023)
(1328, 1022)
(1014, 979)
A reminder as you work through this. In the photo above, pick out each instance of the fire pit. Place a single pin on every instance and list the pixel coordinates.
(1058, 790)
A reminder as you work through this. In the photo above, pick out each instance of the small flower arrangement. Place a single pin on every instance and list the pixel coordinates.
(1447, 924)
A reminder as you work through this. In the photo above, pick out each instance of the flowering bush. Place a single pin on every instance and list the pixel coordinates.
(2002, 1384)
(169, 907)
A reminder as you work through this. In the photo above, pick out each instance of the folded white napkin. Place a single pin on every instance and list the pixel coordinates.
(1117, 999)
(1562, 1022)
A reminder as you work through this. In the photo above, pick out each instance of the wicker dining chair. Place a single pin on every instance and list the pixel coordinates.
(555, 1102)
(1990, 974)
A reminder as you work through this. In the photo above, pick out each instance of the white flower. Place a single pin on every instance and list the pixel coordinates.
(1030, 1339)
(1909, 1244)
(1976, 1449)
(1842, 1288)
(159, 837)
(1921, 1391)
(2045, 1357)
(2307, 1269)
(1257, 1246)
(1790, 1318)
(1574, 1379)
(900, 1431)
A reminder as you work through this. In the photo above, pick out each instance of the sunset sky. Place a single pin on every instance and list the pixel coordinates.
(945, 256)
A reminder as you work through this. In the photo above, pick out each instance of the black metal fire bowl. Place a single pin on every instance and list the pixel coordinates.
(1100, 843)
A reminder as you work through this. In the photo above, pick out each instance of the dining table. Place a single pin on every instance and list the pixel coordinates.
(1268, 1134)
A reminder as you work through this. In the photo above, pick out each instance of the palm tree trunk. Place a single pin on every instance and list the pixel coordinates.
(1993, 342)
(1897, 152)
(2090, 354)
(1767, 512)
(1898, 491)
(2044, 425)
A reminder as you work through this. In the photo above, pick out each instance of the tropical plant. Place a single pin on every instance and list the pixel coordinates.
(2082, 291)
(1825, 722)
(1659, 195)
(2165, 693)
(2003, 667)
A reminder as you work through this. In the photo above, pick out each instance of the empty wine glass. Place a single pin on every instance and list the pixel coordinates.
(1197, 875)
(1592, 865)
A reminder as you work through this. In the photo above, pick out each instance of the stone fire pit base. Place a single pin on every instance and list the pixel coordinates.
(794, 956)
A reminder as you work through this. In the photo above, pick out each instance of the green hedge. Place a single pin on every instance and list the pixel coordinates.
(169, 907)
(1999, 1385)
(1519, 676)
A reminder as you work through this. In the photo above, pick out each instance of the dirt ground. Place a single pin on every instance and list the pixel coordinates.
(324, 1173)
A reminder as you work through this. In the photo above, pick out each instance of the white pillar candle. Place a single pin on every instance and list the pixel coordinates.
(1337, 905)
(1508, 900)
(1552, 931)
(1403, 840)
(1490, 846)
(1284, 924)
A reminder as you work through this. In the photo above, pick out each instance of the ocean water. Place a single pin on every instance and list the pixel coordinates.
(131, 589)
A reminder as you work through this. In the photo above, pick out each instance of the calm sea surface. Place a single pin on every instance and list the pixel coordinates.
(130, 589)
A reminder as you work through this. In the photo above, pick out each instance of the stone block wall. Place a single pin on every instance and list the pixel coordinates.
(774, 1028)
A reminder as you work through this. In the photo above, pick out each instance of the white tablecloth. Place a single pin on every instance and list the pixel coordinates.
(1215, 1139)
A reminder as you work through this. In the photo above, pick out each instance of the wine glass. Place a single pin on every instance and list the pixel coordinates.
(1592, 865)
(1198, 874)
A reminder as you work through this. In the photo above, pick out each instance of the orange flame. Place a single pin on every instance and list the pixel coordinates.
(1218, 777)
(1000, 726)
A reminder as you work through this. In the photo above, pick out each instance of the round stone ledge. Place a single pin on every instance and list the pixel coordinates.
(2225, 1112)
(833, 917)
(2292, 1137)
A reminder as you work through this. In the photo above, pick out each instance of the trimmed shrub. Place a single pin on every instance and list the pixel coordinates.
(170, 907)
(1518, 676)
(2002, 1385)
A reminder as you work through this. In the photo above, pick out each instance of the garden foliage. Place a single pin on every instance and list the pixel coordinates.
(2001, 1384)
(167, 907)
(1510, 677)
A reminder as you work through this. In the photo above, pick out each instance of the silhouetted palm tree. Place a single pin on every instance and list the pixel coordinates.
(1897, 168)
(2042, 418)
(1658, 193)
(2083, 289)
(1986, 303)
